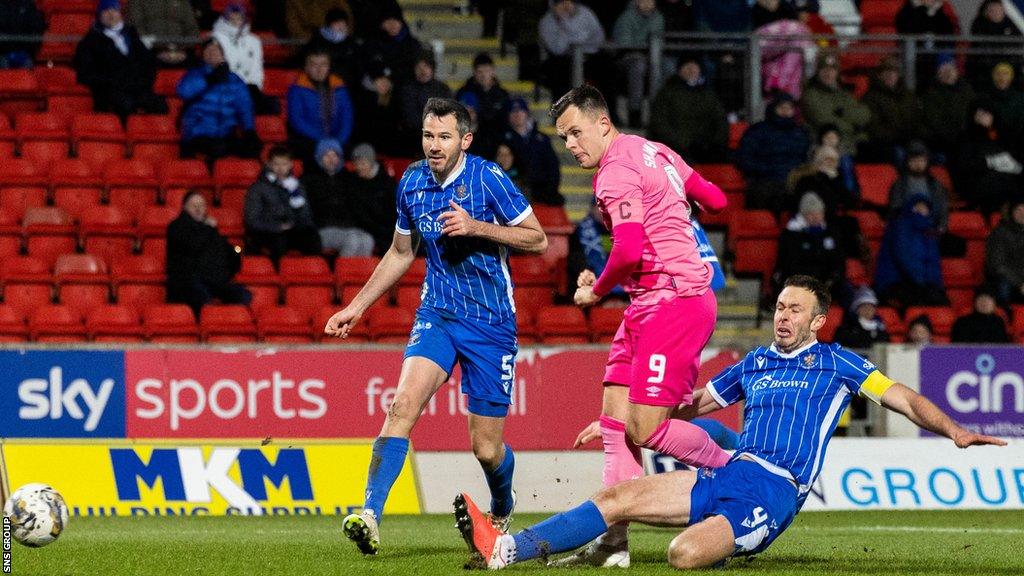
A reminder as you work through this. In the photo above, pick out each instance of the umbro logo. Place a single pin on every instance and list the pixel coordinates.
(653, 391)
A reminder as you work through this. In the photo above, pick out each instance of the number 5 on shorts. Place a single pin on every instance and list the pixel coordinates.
(657, 365)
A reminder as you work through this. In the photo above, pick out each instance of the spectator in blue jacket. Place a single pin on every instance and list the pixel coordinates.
(769, 151)
(533, 148)
(218, 117)
(318, 107)
(909, 271)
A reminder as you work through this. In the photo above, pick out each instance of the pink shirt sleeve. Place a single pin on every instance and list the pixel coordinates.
(620, 194)
(709, 196)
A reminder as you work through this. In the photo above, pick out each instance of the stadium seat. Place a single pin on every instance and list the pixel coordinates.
(553, 219)
(19, 91)
(878, 13)
(51, 7)
(725, 176)
(531, 298)
(856, 273)
(562, 325)
(107, 232)
(152, 226)
(526, 327)
(189, 174)
(275, 53)
(49, 232)
(875, 181)
(871, 227)
(153, 138)
(1017, 325)
(167, 79)
(258, 275)
(169, 323)
(416, 274)
(75, 186)
(390, 325)
(232, 178)
(942, 318)
(131, 183)
(41, 126)
(833, 320)
(754, 237)
(26, 282)
(604, 323)
(308, 282)
(57, 323)
(69, 105)
(283, 325)
(7, 137)
(277, 81)
(114, 323)
(359, 333)
(64, 24)
(12, 324)
(972, 228)
(222, 323)
(82, 281)
(396, 167)
(98, 138)
(271, 130)
(960, 278)
(230, 224)
(354, 271)
(408, 297)
(10, 234)
(530, 271)
(893, 323)
(44, 152)
(736, 131)
(138, 281)
(59, 80)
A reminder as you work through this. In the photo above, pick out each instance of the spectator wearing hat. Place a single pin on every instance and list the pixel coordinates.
(20, 18)
(919, 331)
(826, 102)
(200, 261)
(217, 120)
(1008, 106)
(116, 66)
(945, 105)
(982, 325)
(333, 210)
(336, 39)
(413, 97)
(809, 246)
(991, 20)
(373, 190)
(928, 18)
(895, 114)
(862, 327)
(828, 135)
(916, 179)
(304, 17)
(318, 107)
(986, 173)
(566, 24)
(768, 151)
(165, 19)
(243, 51)
(533, 149)
(909, 271)
(491, 98)
(688, 117)
(277, 214)
(392, 51)
(635, 27)
(1004, 255)
(823, 178)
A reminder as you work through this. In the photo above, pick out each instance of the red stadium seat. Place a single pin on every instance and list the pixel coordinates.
(19, 91)
(10, 234)
(230, 223)
(138, 281)
(98, 138)
(833, 320)
(856, 273)
(75, 186)
(725, 176)
(604, 323)
(972, 228)
(184, 174)
(562, 325)
(754, 238)
(893, 323)
(169, 323)
(736, 131)
(154, 220)
(232, 177)
(942, 317)
(875, 181)
(258, 275)
(131, 183)
(389, 325)
(64, 24)
(530, 271)
(354, 271)
(526, 327)
(960, 277)
(108, 232)
(7, 137)
(114, 323)
(308, 282)
(82, 281)
(26, 282)
(416, 273)
(271, 130)
(226, 323)
(277, 81)
(275, 53)
(69, 105)
(41, 126)
(49, 232)
(153, 138)
(167, 80)
(553, 219)
(12, 324)
(531, 298)
(59, 80)
(283, 325)
(57, 323)
(878, 13)
(359, 333)
(408, 297)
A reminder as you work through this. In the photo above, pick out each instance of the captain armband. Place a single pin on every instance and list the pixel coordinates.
(874, 386)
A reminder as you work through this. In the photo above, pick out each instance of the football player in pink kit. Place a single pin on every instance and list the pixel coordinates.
(645, 192)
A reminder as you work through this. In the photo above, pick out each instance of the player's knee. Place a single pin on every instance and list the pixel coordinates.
(612, 502)
(638, 431)
(685, 554)
(402, 410)
(487, 453)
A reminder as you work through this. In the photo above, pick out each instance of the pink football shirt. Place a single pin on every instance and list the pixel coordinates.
(642, 181)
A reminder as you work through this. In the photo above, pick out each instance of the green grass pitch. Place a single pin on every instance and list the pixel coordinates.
(957, 543)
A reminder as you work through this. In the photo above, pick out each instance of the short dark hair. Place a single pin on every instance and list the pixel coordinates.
(442, 107)
(315, 53)
(188, 196)
(586, 98)
(279, 151)
(813, 285)
(482, 59)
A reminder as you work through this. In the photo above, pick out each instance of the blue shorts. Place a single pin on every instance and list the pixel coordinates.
(486, 353)
(759, 505)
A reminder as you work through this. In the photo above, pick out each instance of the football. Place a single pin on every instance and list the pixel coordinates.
(37, 513)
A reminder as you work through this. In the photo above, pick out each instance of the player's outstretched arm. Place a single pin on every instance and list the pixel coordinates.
(392, 266)
(924, 413)
(703, 403)
(526, 236)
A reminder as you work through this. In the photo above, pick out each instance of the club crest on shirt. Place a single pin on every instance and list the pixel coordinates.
(809, 360)
(460, 192)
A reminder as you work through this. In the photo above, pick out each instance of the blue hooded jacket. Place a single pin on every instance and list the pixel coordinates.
(214, 111)
(910, 249)
(304, 110)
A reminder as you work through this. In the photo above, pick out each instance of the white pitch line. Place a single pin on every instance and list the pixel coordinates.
(936, 529)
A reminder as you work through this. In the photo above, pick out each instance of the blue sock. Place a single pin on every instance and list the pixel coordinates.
(720, 434)
(499, 481)
(385, 466)
(561, 533)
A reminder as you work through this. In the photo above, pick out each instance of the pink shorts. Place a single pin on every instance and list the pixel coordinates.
(656, 351)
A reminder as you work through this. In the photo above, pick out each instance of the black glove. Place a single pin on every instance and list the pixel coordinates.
(218, 74)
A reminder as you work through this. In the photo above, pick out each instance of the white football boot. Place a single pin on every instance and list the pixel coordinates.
(609, 550)
(362, 529)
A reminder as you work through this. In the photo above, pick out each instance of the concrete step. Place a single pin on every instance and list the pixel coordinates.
(460, 67)
(442, 6)
(471, 46)
(428, 25)
(516, 89)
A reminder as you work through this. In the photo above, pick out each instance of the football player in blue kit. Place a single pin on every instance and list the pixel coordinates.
(468, 214)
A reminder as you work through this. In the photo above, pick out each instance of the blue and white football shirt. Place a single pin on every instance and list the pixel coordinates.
(793, 403)
(466, 277)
